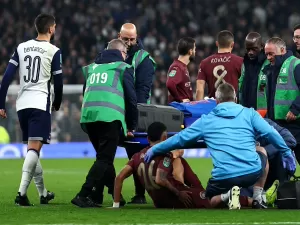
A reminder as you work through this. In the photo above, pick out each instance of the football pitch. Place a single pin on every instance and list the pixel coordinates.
(65, 177)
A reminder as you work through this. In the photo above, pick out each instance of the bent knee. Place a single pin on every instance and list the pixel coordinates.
(262, 150)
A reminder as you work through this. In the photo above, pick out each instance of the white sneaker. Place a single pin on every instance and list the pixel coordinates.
(234, 198)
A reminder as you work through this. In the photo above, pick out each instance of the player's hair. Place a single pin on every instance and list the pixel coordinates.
(43, 22)
(225, 93)
(116, 44)
(297, 27)
(225, 38)
(185, 44)
(278, 42)
(155, 131)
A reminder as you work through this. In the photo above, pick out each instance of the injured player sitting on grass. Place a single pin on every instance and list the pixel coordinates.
(168, 179)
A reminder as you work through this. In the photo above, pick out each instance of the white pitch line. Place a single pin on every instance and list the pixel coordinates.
(250, 223)
(51, 172)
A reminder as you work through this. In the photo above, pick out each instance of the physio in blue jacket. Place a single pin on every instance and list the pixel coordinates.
(229, 132)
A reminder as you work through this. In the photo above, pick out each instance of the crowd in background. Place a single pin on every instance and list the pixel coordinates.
(85, 26)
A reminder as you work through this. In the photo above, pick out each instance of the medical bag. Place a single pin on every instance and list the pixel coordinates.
(288, 194)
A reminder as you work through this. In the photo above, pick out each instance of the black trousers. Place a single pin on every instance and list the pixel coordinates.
(276, 171)
(105, 137)
(131, 149)
(294, 128)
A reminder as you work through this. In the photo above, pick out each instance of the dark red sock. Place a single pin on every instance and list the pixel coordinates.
(190, 178)
(244, 201)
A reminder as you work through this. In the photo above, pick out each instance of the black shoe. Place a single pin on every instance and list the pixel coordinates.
(84, 202)
(259, 205)
(96, 198)
(122, 201)
(22, 200)
(49, 197)
(138, 200)
(97, 195)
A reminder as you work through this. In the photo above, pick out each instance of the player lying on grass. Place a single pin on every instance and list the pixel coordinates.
(229, 132)
(158, 178)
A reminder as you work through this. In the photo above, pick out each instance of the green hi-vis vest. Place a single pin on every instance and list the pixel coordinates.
(138, 58)
(286, 89)
(104, 95)
(261, 77)
(261, 101)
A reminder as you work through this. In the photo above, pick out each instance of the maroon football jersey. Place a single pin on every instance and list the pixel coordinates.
(179, 82)
(162, 197)
(219, 68)
(146, 173)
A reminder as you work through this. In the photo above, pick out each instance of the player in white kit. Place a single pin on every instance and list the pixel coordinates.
(38, 61)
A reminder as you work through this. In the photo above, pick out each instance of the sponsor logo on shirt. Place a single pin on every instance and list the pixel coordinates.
(167, 162)
(172, 73)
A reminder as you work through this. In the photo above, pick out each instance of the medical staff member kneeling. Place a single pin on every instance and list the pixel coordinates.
(229, 132)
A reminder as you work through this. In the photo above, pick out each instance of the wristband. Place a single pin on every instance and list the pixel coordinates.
(116, 205)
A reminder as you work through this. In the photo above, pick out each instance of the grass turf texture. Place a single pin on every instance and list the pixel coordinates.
(65, 178)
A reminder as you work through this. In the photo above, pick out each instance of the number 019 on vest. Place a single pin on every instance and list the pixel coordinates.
(104, 94)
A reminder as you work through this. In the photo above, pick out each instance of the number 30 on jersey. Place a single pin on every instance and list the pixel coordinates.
(33, 69)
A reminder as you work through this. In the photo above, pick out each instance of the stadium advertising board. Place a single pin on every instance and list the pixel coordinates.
(76, 150)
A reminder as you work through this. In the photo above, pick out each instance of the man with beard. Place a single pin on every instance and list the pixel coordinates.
(296, 40)
(219, 68)
(143, 64)
(37, 61)
(178, 82)
(254, 62)
(144, 70)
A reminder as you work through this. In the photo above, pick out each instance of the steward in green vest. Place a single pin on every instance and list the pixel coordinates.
(282, 88)
(143, 64)
(144, 72)
(109, 106)
(251, 76)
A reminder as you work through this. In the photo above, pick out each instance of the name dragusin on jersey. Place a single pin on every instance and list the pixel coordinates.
(34, 49)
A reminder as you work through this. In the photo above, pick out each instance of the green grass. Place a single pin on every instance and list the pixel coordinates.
(65, 178)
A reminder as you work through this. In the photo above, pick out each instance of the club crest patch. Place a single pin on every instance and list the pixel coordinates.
(202, 195)
(166, 162)
(172, 73)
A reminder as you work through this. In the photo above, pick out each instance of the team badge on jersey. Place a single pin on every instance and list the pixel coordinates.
(167, 162)
(172, 73)
(202, 195)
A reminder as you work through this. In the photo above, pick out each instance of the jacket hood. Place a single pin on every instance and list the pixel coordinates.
(279, 59)
(228, 110)
(108, 56)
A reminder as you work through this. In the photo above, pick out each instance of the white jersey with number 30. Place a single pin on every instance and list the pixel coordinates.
(35, 60)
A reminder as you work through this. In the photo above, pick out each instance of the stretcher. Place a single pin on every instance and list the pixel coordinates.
(141, 139)
(192, 111)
